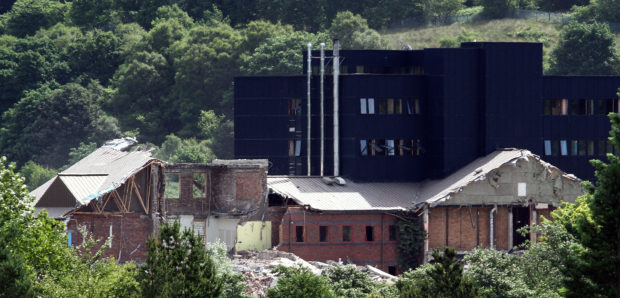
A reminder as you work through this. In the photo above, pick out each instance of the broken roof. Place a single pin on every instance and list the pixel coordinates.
(315, 193)
(100, 172)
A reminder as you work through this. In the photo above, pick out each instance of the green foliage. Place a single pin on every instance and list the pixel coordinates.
(178, 265)
(466, 35)
(175, 150)
(566, 5)
(14, 277)
(256, 33)
(411, 240)
(444, 278)
(497, 274)
(348, 281)
(36, 174)
(93, 13)
(354, 33)
(81, 151)
(90, 274)
(585, 49)
(219, 133)
(28, 16)
(608, 10)
(96, 55)
(232, 283)
(441, 9)
(45, 124)
(299, 282)
(166, 13)
(497, 9)
(282, 54)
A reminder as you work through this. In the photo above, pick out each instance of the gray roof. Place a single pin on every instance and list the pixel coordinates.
(100, 172)
(315, 193)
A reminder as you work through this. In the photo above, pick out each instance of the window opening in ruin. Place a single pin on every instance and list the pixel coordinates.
(392, 233)
(346, 233)
(172, 186)
(370, 233)
(199, 185)
(520, 218)
(299, 234)
(323, 233)
(275, 200)
(392, 270)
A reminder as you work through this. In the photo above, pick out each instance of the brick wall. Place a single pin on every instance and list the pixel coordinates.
(130, 232)
(380, 253)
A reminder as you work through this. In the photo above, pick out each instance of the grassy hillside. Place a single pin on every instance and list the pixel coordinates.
(495, 30)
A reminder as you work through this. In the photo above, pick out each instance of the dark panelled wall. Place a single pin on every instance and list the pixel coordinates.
(473, 100)
(590, 127)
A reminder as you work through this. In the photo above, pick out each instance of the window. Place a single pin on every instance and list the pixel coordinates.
(556, 106)
(390, 106)
(363, 106)
(323, 233)
(171, 182)
(563, 148)
(364, 147)
(389, 147)
(346, 233)
(367, 106)
(299, 234)
(574, 147)
(294, 148)
(400, 150)
(547, 147)
(371, 106)
(199, 185)
(382, 106)
(610, 147)
(413, 107)
(298, 148)
(590, 147)
(392, 270)
(392, 232)
(359, 69)
(601, 147)
(606, 106)
(555, 147)
(582, 107)
(582, 147)
(370, 233)
(398, 106)
(294, 106)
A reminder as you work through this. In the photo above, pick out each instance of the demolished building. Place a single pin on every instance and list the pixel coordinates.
(481, 205)
(126, 195)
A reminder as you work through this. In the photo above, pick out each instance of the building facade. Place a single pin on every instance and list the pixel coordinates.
(423, 114)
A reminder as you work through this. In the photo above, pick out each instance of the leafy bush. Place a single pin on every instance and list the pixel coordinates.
(36, 174)
(497, 274)
(348, 281)
(232, 283)
(299, 282)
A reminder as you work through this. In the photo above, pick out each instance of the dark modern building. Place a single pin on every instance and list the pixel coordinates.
(423, 114)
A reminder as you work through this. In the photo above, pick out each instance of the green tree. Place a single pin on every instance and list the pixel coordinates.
(96, 55)
(585, 49)
(550, 5)
(497, 274)
(299, 282)
(608, 10)
(497, 9)
(411, 240)
(36, 174)
(45, 124)
(442, 9)
(232, 283)
(28, 16)
(93, 13)
(219, 133)
(353, 32)
(348, 281)
(256, 33)
(14, 277)
(178, 265)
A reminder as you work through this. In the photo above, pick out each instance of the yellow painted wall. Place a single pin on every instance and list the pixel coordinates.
(253, 235)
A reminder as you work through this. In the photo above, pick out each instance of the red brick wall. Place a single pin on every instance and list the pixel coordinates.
(380, 253)
(130, 232)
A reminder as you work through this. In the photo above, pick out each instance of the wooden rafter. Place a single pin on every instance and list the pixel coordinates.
(148, 188)
(129, 184)
(133, 185)
(119, 201)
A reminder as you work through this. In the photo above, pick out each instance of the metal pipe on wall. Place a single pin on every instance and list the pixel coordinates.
(309, 129)
(491, 230)
(322, 108)
(336, 69)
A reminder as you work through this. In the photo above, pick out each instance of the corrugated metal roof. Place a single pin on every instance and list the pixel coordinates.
(100, 172)
(312, 191)
(83, 186)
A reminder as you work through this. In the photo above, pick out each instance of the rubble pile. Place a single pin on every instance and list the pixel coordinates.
(257, 266)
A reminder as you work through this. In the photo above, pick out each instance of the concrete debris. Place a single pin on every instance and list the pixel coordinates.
(257, 267)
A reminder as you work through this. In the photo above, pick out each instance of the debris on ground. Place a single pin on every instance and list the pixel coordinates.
(257, 267)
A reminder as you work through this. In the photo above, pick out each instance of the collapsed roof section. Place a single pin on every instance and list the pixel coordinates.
(496, 179)
(98, 175)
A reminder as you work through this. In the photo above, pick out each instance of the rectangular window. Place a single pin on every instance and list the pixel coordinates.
(380, 147)
(582, 147)
(389, 147)
(199, 185)
(371, 106)
(372, 147)
(416, 105)
(392, 232)
(370, 233)
(298, 148)
(401, 150)
(555, 147)
(364, 147)
(559, 106)
(323, 233)
(601, 147)
(390, 106)
(563, 148)
(547, 147)
(346, 234)
(382, 106)
(610, 147)
(299, 234)
(605, 106)
(294, 106)
(574, 147)
(359, 69)
(363, 104)
(582, 107)
(291, 148)
(171, 182)
(547, 107)
(398, 106)
(590, 147)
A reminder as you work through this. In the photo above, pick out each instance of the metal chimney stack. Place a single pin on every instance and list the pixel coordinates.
(336, 67)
